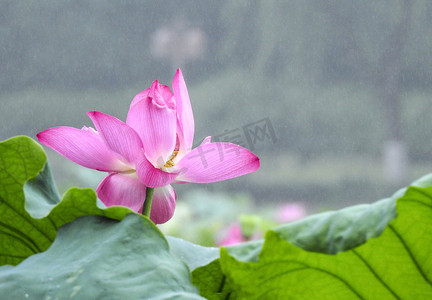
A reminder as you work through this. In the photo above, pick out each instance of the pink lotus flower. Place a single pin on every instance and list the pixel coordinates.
(152, 149)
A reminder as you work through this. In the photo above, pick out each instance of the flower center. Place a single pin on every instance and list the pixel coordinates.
(170, 162)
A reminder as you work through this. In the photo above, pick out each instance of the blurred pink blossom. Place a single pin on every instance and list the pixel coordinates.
(233, 236)
(291, 212)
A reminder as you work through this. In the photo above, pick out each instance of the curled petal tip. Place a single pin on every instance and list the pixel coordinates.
(163, 205)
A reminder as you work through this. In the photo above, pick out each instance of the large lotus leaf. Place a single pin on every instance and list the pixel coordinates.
(336, 231)
(31, 215)
(99, 258)
(193, 255)
(395, 265)
(328, 232)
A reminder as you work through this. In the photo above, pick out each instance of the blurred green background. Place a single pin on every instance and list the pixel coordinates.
(345, 85)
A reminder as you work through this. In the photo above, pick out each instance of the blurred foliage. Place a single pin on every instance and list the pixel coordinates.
(316, 69)
(78, 45)
(202, 217)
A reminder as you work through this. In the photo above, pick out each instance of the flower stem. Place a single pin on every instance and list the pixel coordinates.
(148, 202)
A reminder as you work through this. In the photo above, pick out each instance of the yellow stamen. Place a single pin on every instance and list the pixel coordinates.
(170, 162)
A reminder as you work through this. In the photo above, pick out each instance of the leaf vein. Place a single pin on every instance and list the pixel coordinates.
(335, 276)
(420, 270)
(376, 274)
(26, 241)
